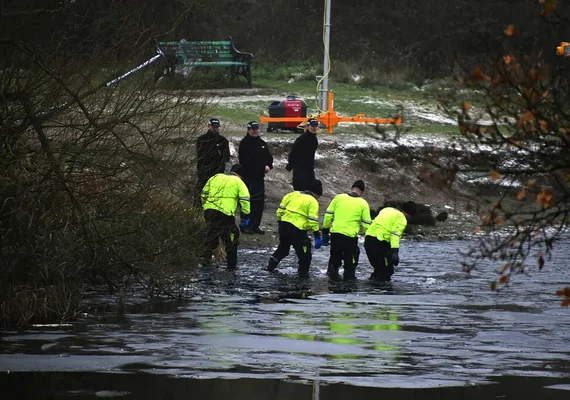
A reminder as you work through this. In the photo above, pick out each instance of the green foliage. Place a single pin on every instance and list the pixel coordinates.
(373, 75)
(298, 71)
(202, 78)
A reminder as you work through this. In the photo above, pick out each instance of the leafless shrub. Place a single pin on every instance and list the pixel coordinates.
(90, 172)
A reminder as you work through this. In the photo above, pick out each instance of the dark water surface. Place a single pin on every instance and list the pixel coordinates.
(433, 333)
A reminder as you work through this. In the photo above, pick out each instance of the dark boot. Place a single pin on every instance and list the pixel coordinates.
(349, 274)
(333, 274)
(380, 276)
(272, 264)
(303, 273)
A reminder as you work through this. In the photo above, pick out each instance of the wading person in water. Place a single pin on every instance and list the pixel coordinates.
(382, 240)
(220, 198)
(297, 214)
(344, 216)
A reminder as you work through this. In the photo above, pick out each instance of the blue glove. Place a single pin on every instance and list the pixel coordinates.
(318, 242)
(326, 238)
(394, 257)
(244, 223)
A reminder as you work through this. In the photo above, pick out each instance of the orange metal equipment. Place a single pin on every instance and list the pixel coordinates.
(563, 50)
(330, 118)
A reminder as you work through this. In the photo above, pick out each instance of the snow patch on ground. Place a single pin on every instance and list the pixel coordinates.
(254, 98)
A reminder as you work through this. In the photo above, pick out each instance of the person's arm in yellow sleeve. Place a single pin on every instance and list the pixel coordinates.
(365, 219)
(329, 214)
(283, 206)
(206, 191)
(397, 230)
(244, 200)
(313, 216)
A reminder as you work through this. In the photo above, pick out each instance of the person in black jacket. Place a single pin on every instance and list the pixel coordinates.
(213, 152)
(302, 157)
(255, 157)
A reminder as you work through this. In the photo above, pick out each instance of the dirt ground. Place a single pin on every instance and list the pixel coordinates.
(342, 159)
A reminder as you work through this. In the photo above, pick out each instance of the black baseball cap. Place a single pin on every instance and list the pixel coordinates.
(214, 122)
(317, 187)
(238, 169)
(252, 125)
(359, 184)
(409, 207)
(313, 122)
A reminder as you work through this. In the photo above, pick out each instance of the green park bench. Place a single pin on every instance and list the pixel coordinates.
(205, 54)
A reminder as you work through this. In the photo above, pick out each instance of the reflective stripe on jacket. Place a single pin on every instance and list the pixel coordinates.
(346, 213)
(389, 225)
(300, 209)
(222, 193)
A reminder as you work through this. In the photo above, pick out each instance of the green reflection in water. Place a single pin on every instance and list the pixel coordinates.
(299, 336)
(344, 326)
(343, 340)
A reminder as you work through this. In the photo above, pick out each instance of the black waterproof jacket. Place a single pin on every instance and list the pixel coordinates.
(254, 155)
(302, 155)
(213, 152)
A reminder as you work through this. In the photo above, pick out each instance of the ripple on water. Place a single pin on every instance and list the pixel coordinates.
(433, 326)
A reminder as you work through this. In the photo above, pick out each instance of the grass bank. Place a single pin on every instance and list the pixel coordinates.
(376, 97)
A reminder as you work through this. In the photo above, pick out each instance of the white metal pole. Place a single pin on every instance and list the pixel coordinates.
(324, 91)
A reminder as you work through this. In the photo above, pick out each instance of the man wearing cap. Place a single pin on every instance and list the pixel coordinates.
(343, 218)
(302, 157)
(382, 240)
(297, 214)
(255, 157)
(220, 197)
(213, 152)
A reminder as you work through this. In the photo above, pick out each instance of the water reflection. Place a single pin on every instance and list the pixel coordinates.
(431, 327)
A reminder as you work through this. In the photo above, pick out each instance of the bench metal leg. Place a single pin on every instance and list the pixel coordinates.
(243, 71)
(248, 76)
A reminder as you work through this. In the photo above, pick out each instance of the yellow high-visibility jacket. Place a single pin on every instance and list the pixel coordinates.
(346, 213)
(300, 209)
(389, 225)
(222, 193)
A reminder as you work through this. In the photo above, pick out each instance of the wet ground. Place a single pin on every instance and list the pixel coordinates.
(434, 332)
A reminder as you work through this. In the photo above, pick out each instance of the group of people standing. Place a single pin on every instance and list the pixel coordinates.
(298, 213)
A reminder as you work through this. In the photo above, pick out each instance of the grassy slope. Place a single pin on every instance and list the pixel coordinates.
(417, 106)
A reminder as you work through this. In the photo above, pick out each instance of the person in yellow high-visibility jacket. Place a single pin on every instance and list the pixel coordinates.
(220, 197)
(382, 240)
(346, 213)
(297, 214)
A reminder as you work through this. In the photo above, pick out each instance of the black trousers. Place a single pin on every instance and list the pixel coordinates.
(343, 249)
(221, 226)
(256, 187)
(377, 251)
(290, 235)
(303, 179)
